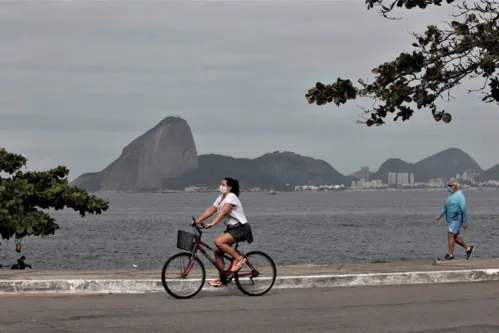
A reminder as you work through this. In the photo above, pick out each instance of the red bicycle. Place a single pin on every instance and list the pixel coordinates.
(185, 277)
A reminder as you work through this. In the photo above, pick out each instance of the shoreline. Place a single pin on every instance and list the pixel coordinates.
(346, 189)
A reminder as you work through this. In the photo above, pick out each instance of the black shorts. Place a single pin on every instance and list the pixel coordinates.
(240, 232)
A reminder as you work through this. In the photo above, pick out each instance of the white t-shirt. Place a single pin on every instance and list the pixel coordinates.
(236, 214)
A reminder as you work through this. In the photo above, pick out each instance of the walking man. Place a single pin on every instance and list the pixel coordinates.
(456, 214)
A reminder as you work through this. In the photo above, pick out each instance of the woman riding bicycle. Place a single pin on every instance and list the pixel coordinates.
(230, 210)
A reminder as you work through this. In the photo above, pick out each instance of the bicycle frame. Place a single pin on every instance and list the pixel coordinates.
(201, 246)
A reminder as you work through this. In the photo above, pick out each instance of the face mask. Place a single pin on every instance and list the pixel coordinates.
(222, 189)
(450, 189)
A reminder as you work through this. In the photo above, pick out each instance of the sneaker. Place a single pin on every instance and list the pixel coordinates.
(469, 252)
(216, 283)
(238, 264)
(447, 257)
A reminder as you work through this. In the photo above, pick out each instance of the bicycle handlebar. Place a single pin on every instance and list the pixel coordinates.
(197, 226)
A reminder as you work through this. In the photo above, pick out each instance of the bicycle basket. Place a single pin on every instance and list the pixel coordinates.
(185, 240)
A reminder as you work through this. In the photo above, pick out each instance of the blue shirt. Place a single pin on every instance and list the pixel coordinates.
(455, 208)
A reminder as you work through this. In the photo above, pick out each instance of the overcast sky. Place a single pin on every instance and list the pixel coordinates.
(80, 80)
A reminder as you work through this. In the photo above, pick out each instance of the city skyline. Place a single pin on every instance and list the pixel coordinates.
(408, 179)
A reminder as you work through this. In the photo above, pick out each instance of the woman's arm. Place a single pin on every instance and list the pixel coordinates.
(207, 213)
(225, 210)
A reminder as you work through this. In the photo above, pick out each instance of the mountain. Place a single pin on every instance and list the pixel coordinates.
(489, 174)
(164, 152)
(446, 164)
(291, 168)
(213, 168)
(360, 174)
(392, 165)
(165, 157)
(277, 170)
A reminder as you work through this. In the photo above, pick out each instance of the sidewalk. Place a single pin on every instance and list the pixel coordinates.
(290, 276)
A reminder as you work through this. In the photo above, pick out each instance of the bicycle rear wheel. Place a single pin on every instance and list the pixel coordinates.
(258, 276)
(183, 276)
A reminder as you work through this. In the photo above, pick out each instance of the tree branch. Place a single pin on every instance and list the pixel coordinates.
(441, 60)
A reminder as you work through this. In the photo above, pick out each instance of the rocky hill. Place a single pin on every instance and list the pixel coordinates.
(489, 174)
(360, 174)
(277, 170)
(164, 152)
(165, 157)
(213, 168)
(392, 165)
(446, 164)
(295, 169)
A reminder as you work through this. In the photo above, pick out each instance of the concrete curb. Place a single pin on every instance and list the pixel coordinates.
(123, 286)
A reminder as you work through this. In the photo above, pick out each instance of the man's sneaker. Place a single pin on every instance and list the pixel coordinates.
(469, 252)
(447, 257)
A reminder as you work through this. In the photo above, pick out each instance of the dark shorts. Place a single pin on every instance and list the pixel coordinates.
(241, 232)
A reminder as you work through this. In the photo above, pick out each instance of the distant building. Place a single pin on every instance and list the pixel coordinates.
(411, 179)
(364, 171)
(403, 178)
(392, 178)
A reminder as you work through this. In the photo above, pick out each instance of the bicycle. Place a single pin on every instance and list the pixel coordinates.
(191, 243)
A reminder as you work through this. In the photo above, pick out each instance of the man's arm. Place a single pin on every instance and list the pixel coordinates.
(464, 210)
(442, 212)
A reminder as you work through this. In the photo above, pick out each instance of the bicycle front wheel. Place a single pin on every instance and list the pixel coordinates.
(183, 276)
(258, 276)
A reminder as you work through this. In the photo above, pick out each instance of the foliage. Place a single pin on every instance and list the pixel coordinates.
(442, 59)
(25, 194)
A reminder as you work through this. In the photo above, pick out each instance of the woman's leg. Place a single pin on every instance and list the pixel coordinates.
(224, 243)
(220, 265)
(219, 262)
(221, 282)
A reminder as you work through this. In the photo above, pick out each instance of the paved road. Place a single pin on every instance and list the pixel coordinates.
(449, 308)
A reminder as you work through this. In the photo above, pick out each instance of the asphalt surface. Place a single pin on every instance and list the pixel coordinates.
(435, 308)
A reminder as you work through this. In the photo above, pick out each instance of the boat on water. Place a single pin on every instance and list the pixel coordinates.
(271, 192)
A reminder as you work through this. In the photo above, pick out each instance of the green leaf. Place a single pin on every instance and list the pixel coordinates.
(24, 195)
